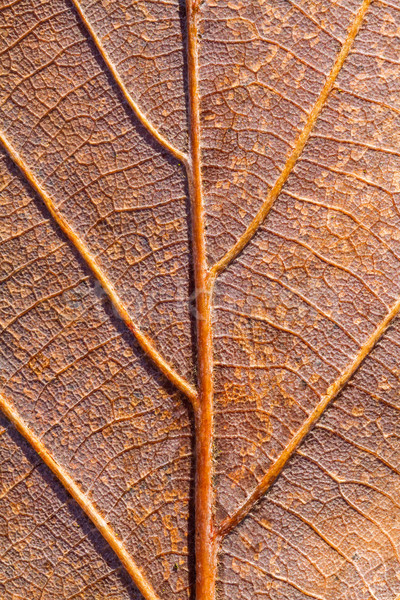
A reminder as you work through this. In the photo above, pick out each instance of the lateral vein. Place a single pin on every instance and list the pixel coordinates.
(337, 386)
(144, 341)
(300, 143)
(87, 506)
(178, 154)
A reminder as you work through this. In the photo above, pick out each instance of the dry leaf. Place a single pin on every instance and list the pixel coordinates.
(200, 259)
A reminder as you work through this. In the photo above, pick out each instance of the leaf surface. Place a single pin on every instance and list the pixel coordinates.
(199, 234)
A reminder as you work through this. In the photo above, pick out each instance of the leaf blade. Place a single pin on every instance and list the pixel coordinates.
(86, 389)
(142, 339)
(128, 97)
(83, 501)
(348, 473)
(300, 143)
(298, 314)
(332, 392)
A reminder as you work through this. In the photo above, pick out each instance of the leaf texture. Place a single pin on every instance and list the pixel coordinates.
(199, 346)
(45, 535)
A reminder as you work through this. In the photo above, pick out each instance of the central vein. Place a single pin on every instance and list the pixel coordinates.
(205, 546)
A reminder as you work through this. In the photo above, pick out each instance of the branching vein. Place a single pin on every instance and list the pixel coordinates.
(144, 341)
(72, 488)
(229, 523)
(181, 156)
(300, 143)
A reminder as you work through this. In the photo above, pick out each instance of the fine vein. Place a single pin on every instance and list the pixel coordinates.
(229, 523)
(298, 147)
(145, 343)
(72, 488)
(138, 112)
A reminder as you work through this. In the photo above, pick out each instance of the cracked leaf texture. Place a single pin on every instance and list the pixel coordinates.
(291, 110)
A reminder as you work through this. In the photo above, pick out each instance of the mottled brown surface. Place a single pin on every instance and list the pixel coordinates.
(330, 527)
(263, 65)
(48, 548)
(76, 375)
(119, 191)
(319, 276)
(299, 118)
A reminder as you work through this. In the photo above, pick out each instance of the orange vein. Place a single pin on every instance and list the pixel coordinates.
(229, 523)
(205, 543)
(145, 343)
(140, 115)
(72, 488)
(298, 147)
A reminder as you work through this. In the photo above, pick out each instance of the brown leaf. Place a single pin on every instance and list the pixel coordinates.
(200, 255)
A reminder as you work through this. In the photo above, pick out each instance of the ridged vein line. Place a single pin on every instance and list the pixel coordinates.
(145, 343)
(72, 488)
(337, 386)
(300, 143)
(205, 546)
(138, 112)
